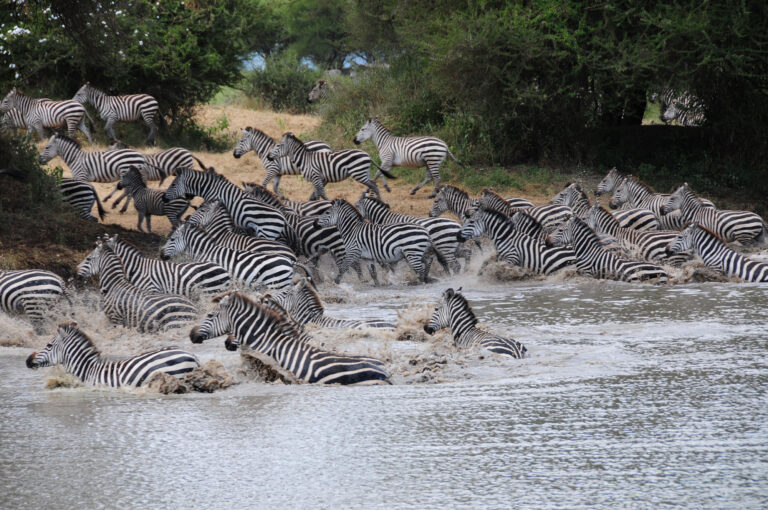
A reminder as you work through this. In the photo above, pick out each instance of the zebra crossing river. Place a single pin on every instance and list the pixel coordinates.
(631, 396)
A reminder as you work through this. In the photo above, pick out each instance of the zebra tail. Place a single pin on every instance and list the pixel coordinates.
(386, 174)
(456, 160)
(304, 267)
(99, 207)
(202, 165)
(90, 121)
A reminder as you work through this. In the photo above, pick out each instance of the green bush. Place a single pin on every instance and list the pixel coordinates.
(283, 83)
(19, 159)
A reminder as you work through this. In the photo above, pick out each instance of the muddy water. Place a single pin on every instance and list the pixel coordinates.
(634, 396)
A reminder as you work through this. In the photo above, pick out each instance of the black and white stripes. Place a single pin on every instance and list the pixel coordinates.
(121, 109)
(40, 113)
(30, 291)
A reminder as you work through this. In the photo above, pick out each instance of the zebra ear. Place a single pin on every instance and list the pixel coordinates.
(448, 293)
(459, 289)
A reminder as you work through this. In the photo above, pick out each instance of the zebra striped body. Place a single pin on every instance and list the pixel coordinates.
(683, 107)
(630, 192)
(323, 167)
(126, 304)
(13, 120)
(264, 221)
(594, 261)
(150, 202)
(308, 208)
(450, 198)
(380, 243)
(253, 269)
(31, 292)
(40, 113)
(549, 216)
(716, 254)
(262, 144)
(406, 151)
(514, 247)
(188, 279)
(81, 195)
(121, 109)
(443, 233)
(743, 226)
(75, 351)
(455, 313)
(257, 328)
(303, 303)
(575, 198)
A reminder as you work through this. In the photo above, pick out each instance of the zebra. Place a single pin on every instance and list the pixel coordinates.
(121, 109)
(443, 233)
(575, 198)
(514, 247)
(259, 330)
(262, 144)
(683, 107)
(549, 216)
(31, 292)
(81, 195)
(150, 202)
(593, 260)
(323, 167)
(380, 243)
(262, 220)
(609, 183)
(253, 269)
(74, 350)
(13, 120)
(698, 240)
(128, 305)
(189, 279)
(40, 113)
(406, 151)
(301, 208)
(743, 226)
(650, 246)
(457, 201)
(302, 302)
(454, 312)
(319, 92)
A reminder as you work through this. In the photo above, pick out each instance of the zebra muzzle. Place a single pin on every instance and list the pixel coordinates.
(230, 344)
(196, 337)
(428, 330)
(31, 360)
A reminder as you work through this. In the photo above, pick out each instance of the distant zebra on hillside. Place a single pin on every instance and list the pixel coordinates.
(40, 113)
(121, 109)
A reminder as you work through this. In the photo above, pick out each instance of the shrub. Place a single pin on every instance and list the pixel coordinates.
(283, 83)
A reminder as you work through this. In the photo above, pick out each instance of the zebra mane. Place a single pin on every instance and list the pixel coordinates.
(260, 192)
(638, 181)
(705, 229)
(278, 320)
(498, 215)
(466, 307)
(690, 190)
(258, 131)
(605, 212)
(578, 222)
(68, 140)
(454, 190)
(117, 240)
(309, 286)
(73, 327)
(352, 207)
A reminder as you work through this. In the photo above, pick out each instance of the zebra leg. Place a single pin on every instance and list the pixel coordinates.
(317, 182)
(110, 194)
(109, 129)
(433, 170)
(372, 186)
(152, 131)
(82, 127)
(39, 129)
(277, 185)
(386, 165)
(372, 270)
(149, 223)
(416, 261)
(120, 199)
(422, 183)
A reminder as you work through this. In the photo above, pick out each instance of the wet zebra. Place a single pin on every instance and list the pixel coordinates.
(454, 312)
(261, 331)
(128, 305)
(150, 202)
(121, 109)
(252, 269)
(81, 195)
(549, 216)
(575, 198)
(379, 243)
(514, 247)
(30, 291)
(188, 279)
(303, 303)
(74, 350)
(323, 167)
(715, 253)
(405, 151)
(593, 260)
(40, 113)
(263, 221)
(443, 233)
(450, 198)
(743, 226)
(262, 144)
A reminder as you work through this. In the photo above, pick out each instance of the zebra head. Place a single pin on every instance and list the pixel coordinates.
(245, 144)
(83, 94)
(9, 101)
(609, 182)
(55, 351)
(440, 205)
(287, 146)
(318, 92)
(366, 132)
(684, 243)
(675, 201)
(570, 195)
(441, 317)
(177, 241)
(130, 178)
(216, 323)
(180, 186)
(90, 265)
(300, 300)
(205, 214)
(474, 226)
(331, 216)
(620, 194)
(51, 150)
(562, 236)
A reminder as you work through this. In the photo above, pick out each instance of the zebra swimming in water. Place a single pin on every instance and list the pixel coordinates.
(40, 113)
(30, 291)
(150, 202)
(636, 218)
(121, 109)
(74, 350)
(258, 329)
(454, 312)
(405, 151)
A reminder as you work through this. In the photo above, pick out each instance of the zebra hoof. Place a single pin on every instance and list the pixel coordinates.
(412, 192)
(387, 188)
(432, 195)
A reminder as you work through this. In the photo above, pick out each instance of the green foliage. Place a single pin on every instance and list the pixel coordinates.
(283, 83)
(315, 29)
(20, 160)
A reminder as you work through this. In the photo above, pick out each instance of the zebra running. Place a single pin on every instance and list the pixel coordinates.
(454, 312)
(302, 302)
(257, 218)
(380, 243)
(40, 113)
(121, 109)
(323, 167)
(549, 216)
(189, 279)
(443, 233)
(74, 350)
(593, 260)
(253, 269)
(261, 331)
(715, 253)
(405, 151)
(640, 193)
(743, 226)
(457, 201)
(150, 202)
(81, 195)
(650, 246)
(13, 120)
(262, 144)
(30, 291)
(636, 218)
(128, 305)
(302, 208)
(514, 247)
